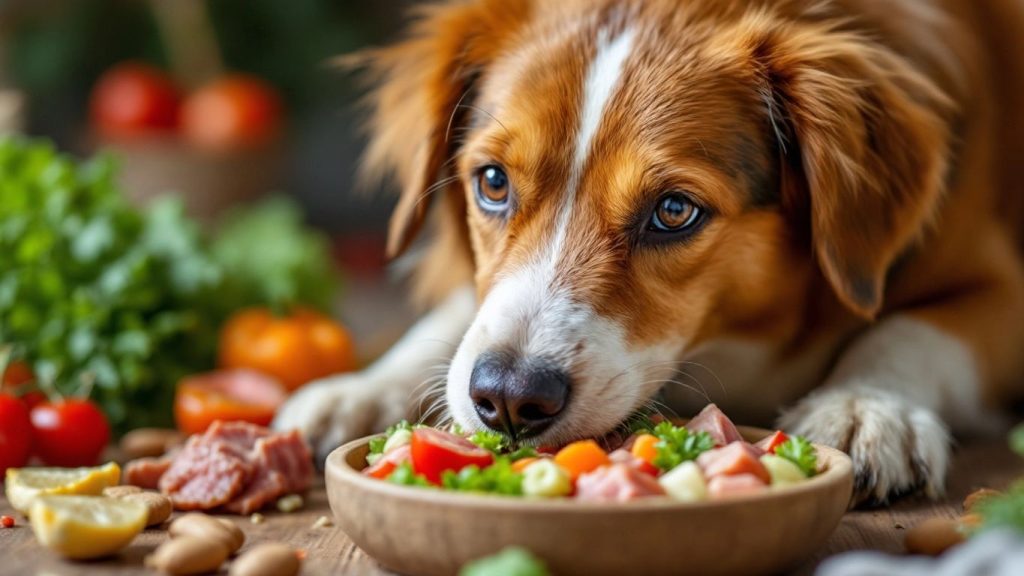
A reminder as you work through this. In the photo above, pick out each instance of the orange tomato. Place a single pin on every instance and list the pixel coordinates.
(235, 111)
(581, 457)
(645, 447)
(522, 463)
(295, 349)
(230, 395)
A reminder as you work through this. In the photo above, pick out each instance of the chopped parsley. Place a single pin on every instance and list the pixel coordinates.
(676, 445)
(800, 452)
(498, 478)
(405, 476)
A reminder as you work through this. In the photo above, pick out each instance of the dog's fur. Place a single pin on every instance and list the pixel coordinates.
(860, 272)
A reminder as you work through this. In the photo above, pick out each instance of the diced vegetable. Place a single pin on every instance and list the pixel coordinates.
(770, 443)
(544, 478)
(434, 452)
(581, 457)
(384, 464)
(735, 459)
(645, 447)
(498, 478)
(377, 444)
(782, 471)
(405, 476)
(522, 463)
(490, 441)
(685, 482)
(677, 445)
(800, 452)
(398, 439)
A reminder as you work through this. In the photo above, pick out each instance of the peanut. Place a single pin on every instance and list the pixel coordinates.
(121, 491)
(159, 506)
(270, 559)
(977, 497)
(149, 442)
(934, 536)
(210, 528)
(188, 555)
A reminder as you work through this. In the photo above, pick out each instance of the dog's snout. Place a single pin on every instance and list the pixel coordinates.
(520, 397)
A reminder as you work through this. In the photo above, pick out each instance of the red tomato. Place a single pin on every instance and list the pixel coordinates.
(434, 451)
(134, 98)
(15, 433)
(70, 432)
(770, 443)
(16, 377)
(231, 395)
(388, 462)
(236, 111)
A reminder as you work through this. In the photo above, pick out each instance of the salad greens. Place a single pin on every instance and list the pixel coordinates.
(512, 561)
(491, 441)
(405, 476)
(498, 478)
(800, 452)
(377, 444)
(105, 299)
(676, 445)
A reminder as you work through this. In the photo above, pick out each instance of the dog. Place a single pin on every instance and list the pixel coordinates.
(807, 211)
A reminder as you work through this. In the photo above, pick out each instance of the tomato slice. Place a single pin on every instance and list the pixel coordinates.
(388, 462)
(242, 395)
(770, 443)
(434, 451)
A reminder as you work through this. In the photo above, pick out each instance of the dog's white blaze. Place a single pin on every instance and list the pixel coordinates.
(602, 78)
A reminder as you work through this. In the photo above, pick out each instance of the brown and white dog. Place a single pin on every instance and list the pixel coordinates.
(805, 207)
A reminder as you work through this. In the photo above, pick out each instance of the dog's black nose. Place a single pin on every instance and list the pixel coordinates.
(519, 397)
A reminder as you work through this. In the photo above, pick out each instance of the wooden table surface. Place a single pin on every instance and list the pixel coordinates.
(329, 551)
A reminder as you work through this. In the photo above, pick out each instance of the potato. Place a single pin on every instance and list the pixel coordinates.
(782, 471)
(546, 479)
(685, 483)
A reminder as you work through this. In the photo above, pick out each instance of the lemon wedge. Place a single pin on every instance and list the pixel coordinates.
(82, 527)
(24, 484)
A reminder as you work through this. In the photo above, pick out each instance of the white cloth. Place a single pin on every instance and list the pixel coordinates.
(994, 553)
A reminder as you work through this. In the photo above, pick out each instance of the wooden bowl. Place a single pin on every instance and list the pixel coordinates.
(419, 531)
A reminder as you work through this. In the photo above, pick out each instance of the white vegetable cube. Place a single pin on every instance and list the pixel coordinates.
(546, 479)
(685, 482)
(398, 439)
(782, 471)
(372, 459)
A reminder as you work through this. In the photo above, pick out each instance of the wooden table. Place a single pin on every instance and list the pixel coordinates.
(329, 551)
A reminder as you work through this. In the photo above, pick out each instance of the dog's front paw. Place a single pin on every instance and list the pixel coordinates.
(896, 447)
(334, 410)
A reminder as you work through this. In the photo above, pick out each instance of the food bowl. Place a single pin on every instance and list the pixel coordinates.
(420, 531)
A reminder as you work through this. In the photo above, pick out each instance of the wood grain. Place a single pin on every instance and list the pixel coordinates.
(329, 551)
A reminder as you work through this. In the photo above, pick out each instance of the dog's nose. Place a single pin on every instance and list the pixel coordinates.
(520, 397)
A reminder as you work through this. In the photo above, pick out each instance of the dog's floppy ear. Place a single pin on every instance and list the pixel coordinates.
(420, 83)
(869, 137)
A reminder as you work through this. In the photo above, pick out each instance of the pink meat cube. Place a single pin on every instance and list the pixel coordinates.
(735, 459)
(738, 485)
(716, 423)
(616, 483)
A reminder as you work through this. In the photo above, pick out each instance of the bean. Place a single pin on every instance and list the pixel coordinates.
(188, 555)
(270, 559)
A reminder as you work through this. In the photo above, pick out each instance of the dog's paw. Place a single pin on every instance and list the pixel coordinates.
(896, 447)
(334, 410)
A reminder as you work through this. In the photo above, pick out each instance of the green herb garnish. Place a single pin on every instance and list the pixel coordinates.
(800, 452)
(676, 445)
(498, 478)
(491, 441)
(405, 476)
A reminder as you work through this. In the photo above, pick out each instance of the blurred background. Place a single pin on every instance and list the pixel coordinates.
(219, 105)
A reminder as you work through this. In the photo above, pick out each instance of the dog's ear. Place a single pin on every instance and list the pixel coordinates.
(419, 85)
(868, 143)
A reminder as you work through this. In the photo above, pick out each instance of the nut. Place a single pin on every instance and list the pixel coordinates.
(977, 497)
(257, 518)
(290, 503)
(934, 536)
(188, 555)
(323, 522)
(149, 442)
(270, 559)
(121, 491)
(208, 528)
(159, 506)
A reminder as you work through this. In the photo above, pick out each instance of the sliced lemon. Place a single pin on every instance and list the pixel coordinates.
(24, 484)
(82, 527)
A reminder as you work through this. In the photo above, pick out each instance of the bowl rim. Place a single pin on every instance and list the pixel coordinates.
(838, 467)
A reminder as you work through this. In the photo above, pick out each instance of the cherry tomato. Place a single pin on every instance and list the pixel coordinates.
(15, 433)
(69, 432)
(770, 443)
(434, 451)
(295, 349)
(242, 395)
(134, 98)
(388, 462)
(235, 111)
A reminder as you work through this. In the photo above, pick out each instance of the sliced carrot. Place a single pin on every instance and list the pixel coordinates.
(522, 463)
(581, 457)
(645, 448)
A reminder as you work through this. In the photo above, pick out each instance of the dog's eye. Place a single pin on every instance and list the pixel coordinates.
(675, 213)
(492, 188)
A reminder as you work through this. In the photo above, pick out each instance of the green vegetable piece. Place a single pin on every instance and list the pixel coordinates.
(1017, 439)
(377, 444)
(676, 445)
(512, 561)
(488, 440)
(498, 478)
(405, 476)
(800, 452)
(1005, 510)
(522, 452)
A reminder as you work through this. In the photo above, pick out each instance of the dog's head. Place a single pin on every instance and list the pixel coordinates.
(642, 177)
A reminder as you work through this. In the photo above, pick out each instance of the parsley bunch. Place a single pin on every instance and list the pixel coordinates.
(800, 452)
(676, 445)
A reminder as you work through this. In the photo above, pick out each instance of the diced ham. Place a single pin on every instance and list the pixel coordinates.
(769, 443)
(738, 485)
(622, 456)
(389, 461)
(616, 483)
(206, 474)
(735, 459)
(716, 424)
(146, 472)
(283, 465)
